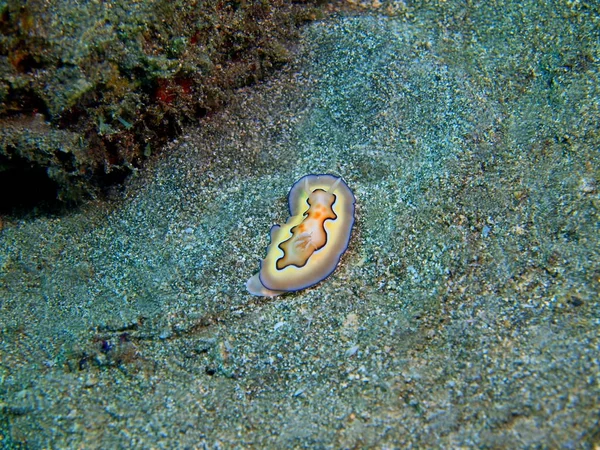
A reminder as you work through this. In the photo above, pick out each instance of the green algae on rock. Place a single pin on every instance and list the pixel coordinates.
(121, 77)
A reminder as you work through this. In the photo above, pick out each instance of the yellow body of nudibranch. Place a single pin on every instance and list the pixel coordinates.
(308, 247)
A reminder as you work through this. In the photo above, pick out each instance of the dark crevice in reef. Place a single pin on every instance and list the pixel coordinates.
(25, 188)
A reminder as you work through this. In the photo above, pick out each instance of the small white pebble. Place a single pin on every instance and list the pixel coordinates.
(485, 232)
(587, 185)
(352, 351)
(299, 392)
(165, 334)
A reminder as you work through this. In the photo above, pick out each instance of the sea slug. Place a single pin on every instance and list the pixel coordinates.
(308, 247)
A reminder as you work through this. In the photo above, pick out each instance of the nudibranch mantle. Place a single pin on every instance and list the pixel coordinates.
(308, 247)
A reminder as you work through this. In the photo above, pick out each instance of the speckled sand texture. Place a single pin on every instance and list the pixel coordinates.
(464, 314)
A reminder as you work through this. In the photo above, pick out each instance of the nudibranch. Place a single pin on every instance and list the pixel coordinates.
(308, 247)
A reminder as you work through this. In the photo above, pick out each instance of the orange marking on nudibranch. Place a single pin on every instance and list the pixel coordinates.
(310, 235)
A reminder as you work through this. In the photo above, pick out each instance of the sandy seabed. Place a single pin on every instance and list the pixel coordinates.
(465, 312)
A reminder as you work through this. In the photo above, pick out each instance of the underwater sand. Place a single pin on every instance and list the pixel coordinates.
(464, 313)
